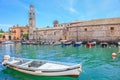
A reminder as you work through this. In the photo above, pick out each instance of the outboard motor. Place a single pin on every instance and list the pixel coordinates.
(6, 57)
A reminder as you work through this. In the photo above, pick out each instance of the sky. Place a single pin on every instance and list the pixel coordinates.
(13, 12)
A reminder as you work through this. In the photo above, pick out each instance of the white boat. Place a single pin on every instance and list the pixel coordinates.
(8, 42)
(42, 67)
(77, 43)
(119, 43)
(57, 43)
(104, 44)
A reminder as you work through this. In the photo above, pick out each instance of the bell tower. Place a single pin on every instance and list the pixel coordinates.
(32, 22)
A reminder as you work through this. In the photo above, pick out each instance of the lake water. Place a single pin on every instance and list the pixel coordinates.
(97, 61)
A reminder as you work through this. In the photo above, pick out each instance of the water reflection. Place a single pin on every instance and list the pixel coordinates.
(23, 76)
(11, 49)
(7, 48)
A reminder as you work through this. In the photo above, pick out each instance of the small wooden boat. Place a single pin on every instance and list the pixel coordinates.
(77, 43)
(104, 44)
(42, 67)
(90, 44)
(8, 42)
(66, 43)
(119, 43)
(57, 43)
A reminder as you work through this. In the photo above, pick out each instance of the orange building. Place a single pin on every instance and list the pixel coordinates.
(18, 32)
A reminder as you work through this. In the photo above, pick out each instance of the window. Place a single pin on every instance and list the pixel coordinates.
(54, 33)
(21, 30)
(14, 31)
(30, 18)
(33, 14)
(68, 25)
(111, 28)
(85, 29)
(30, 13)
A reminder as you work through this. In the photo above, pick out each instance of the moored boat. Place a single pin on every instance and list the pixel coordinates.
(118, 43)
(104, 44)
(66, 42)
(8, 42)
(42, 67)
(77, 43)
(90, 44)
(57, 43)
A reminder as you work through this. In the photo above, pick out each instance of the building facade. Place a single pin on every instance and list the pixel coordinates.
(18, 32)
(101, 29)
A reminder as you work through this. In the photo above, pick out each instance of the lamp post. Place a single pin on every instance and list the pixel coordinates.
(37, 34)
(77, 33)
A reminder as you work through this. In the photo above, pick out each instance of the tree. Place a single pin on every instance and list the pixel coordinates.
(48, 26)
(1, 35)
(25, 35)
(1, 31)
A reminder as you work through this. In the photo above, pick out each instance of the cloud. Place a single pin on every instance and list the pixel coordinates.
(72, 10)
(68, 5)
(14, 3)
(21, 4)
(5, 27)
(71, 7)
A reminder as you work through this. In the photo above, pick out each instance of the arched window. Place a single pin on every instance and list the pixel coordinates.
(4, 36)
(9, 37)
(112, 28)
(85, 29)
(54, 33)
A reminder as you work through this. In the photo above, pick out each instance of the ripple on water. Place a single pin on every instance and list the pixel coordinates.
(97, 62)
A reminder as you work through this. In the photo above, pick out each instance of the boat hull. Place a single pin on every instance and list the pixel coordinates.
(104, 45)
(90, 45)
(74, 72)
(76, 45)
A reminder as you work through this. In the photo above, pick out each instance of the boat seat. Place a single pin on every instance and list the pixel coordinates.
(36, 64)
(53, 66)
(13, 62)
(26, 63)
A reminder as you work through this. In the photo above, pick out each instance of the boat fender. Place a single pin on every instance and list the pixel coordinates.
(6, 57)
(114, 55)
(3, 63)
